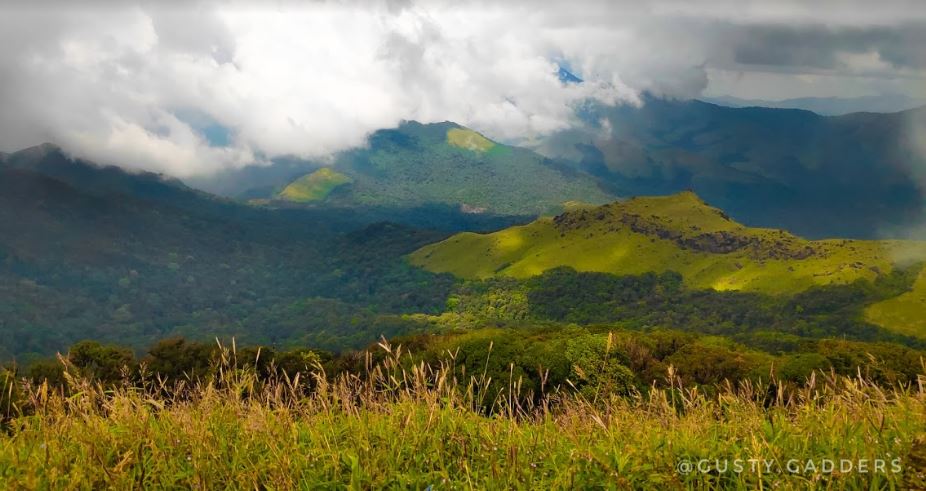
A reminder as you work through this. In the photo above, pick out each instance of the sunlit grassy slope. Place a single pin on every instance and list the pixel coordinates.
(315, 186)
(678, 233)
(905, 314)
(469, 139)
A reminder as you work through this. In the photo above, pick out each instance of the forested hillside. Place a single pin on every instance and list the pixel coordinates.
(92, 252)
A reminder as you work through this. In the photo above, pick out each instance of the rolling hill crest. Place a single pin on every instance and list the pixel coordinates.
(671, 233)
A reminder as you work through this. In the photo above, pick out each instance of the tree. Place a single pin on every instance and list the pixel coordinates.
(597, 369)
(176, 358)
(107, 364)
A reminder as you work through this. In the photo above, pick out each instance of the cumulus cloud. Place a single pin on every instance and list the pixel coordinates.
(193, 88)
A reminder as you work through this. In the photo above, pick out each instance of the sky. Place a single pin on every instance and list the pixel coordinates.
(189, 88)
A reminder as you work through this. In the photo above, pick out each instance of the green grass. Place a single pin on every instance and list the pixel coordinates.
(601, 240)
(905, 314)
(315, 186)
(417, 427)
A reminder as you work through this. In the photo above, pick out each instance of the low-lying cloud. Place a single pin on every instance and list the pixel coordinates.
(193, 88)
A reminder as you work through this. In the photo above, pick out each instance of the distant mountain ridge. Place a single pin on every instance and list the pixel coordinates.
(678, 232)
(51, 161)
(848, 176)
(828, 106)
(858, 175)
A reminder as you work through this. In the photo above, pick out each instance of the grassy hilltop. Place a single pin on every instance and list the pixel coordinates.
(672, 233)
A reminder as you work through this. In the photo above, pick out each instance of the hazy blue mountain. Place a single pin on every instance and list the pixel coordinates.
(828, 106)
(852, 175)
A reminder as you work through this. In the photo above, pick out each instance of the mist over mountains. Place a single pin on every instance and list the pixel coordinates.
(856, 175)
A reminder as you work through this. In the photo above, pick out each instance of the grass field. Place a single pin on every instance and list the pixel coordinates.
(418, 428)
(469, 139)
(315, 186)
(905, 314)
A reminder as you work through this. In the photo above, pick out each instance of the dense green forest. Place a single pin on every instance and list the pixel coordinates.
(90, 252)
(560, 329)
(597, 361)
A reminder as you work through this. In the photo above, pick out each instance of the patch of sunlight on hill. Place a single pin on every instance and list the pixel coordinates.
(315, 186)
(677, 233)
(469, 139)
(905, 314)
(510, 239)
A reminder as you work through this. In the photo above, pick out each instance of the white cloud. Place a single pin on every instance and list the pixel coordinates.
(311, 79)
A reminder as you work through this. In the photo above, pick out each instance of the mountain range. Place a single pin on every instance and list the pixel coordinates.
(335, 254)
(857, 175)
(828, 106)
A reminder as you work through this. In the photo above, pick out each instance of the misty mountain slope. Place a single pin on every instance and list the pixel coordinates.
(852, 175)
(445, 163)
(672, 233)
(421, 165)
(49, 160)
(145, 202)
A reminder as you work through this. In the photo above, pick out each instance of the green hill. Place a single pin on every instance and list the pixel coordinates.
(673, 233)
(445, 164)
(315, 186)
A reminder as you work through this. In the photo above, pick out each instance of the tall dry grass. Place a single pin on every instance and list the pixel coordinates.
(410, 425)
